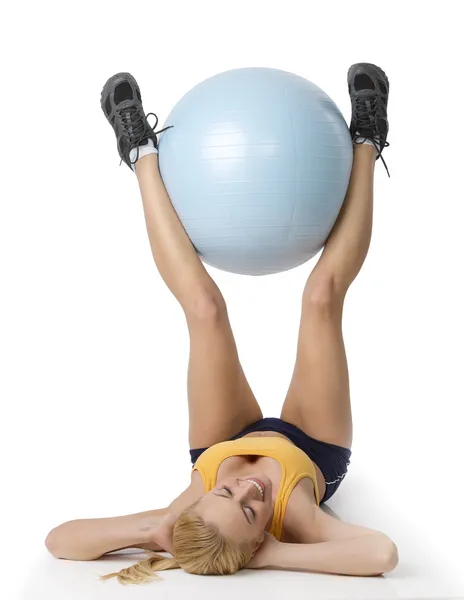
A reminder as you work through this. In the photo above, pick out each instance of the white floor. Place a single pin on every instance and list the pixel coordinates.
(429, 566)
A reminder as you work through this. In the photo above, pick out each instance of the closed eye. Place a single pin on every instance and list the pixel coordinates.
(243, 507)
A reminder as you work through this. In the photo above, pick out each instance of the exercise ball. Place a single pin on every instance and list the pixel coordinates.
(256, 164)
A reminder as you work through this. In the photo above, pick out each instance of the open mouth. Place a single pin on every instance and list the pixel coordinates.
(259, 484)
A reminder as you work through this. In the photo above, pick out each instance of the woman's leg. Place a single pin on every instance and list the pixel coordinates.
(318, 399)
(220, 400)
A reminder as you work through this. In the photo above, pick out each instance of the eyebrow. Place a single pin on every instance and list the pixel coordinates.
(229, 498)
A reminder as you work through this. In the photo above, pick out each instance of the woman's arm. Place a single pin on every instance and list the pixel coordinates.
(367, 555)
(88, 539)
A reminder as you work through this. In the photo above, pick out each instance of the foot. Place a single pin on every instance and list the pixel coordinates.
(121, 102)
(369, 87)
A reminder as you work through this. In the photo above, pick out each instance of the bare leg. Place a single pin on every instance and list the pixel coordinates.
(348, 243)
(318, 399)
(220, 399)
(177, 261)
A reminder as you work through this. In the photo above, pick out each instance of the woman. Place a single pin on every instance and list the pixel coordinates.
(256, 484)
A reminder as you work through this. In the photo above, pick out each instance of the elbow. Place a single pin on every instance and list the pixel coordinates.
(56, 547)
(390, 559)
(60, 546)
(394, 558)
(51, 545)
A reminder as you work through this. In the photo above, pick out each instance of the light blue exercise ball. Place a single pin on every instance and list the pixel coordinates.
(257, 165)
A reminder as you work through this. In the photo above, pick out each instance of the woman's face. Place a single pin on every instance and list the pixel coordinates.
(238, 508)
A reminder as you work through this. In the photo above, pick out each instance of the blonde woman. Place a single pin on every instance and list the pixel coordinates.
(256, 484)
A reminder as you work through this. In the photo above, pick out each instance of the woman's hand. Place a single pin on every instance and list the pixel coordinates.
(265, 555)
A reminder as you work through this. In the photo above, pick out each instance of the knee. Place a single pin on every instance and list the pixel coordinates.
(206, 305)
(321, 293)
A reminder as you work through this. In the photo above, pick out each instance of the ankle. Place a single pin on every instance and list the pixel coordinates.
(148, 162)
(367, 150)
(146, 148)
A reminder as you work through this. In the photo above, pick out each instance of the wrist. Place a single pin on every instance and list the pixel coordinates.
(147, 527)
(274, 556)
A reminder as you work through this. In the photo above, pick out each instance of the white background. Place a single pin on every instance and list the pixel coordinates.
(93, 346)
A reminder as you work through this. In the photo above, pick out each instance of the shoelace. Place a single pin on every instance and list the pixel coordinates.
(133, 127)
(364, 115)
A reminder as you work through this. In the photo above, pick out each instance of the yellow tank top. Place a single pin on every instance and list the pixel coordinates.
(294, 463)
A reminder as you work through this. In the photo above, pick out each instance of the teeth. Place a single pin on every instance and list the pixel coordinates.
(261, 491)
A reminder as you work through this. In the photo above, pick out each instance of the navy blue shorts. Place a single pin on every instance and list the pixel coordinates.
(332, 460)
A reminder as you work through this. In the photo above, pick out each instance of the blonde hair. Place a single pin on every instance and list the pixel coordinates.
(198, 548)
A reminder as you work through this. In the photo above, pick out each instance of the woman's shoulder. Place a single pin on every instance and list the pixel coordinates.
(196, 482)
(190, 495)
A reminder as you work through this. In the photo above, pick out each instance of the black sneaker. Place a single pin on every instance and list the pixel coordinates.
(121, 102)
(369, 87)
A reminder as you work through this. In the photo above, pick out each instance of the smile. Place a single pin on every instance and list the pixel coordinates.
(258, 485)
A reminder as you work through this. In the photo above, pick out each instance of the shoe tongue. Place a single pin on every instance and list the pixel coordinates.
(363, 93)
(126, 104)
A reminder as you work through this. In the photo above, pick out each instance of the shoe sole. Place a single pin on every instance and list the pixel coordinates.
(368, 68)
(110, 86)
